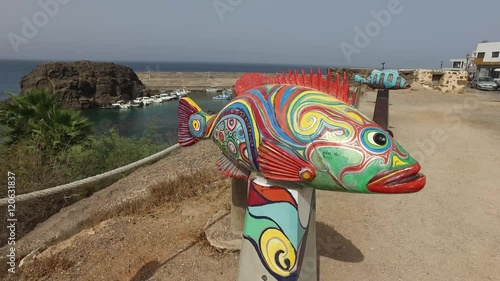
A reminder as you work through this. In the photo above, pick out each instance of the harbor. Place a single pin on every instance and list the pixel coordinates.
(161, 117)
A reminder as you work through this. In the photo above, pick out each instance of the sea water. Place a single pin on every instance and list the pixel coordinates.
(162, 118)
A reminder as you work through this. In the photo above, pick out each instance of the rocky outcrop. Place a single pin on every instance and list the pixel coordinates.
(85, 84)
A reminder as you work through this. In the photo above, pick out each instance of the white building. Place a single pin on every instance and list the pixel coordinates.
(457, 64)
(487, 59)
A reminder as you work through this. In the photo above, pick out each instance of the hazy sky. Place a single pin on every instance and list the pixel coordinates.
(419, 33)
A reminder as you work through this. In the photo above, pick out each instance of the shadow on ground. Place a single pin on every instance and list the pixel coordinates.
(146, 271)
(333, 245)
(329, 243)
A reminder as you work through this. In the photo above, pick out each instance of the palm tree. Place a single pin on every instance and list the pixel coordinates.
(38, 116)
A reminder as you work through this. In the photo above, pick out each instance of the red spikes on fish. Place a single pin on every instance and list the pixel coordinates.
(249, 81)
(338, 88)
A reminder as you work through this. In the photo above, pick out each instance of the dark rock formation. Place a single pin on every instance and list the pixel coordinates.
(85, 84)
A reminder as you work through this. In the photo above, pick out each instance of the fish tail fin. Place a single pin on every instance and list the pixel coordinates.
(358, 78)
(193, 122)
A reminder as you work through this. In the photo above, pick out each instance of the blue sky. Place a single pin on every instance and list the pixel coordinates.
(419, 33)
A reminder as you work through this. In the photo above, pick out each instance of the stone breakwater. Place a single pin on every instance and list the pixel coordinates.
(194, 81)
(199, 81)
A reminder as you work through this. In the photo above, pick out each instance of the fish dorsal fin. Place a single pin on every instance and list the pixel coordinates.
(249, 81)
(338, 89)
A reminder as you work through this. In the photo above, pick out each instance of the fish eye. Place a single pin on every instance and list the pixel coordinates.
(379, 138)
(375, 140)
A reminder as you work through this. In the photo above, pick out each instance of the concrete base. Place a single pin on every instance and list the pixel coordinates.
(220, 235)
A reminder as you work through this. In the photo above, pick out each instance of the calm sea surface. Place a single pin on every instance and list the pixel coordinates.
(162, 118)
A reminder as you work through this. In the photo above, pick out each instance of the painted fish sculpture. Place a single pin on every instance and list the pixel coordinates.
(301, 130)
(384, 79)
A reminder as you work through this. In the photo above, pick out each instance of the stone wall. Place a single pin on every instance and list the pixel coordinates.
(446, 81)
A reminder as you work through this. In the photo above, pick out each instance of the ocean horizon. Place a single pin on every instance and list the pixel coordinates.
(12, 71)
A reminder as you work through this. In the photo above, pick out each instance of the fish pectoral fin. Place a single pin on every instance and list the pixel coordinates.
(231, 169)
(278, 163)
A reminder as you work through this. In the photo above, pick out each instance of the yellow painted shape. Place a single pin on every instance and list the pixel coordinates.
(396, 161)
(276, 250)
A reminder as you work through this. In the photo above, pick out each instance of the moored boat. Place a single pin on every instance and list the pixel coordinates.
(212, 89)
(166, 97)
(180, 92)
(223, 96)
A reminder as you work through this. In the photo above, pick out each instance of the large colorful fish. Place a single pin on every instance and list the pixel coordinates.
(384, 79)
(295, 131)
(301, 130)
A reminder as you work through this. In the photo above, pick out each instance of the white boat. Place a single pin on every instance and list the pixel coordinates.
(223, 96)
(138, 100)
(212, 90)
(118, 104)
(143, 100)
(180, 92)
(157, 99)
(147, 101)
(125, 105)
(166, 97)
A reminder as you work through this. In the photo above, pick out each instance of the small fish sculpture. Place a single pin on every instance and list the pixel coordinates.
(302, 130)
(384, 79)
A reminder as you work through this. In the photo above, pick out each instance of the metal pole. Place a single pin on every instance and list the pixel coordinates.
(381, 112)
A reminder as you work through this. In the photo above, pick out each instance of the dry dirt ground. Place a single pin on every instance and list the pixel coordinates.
(448, 231)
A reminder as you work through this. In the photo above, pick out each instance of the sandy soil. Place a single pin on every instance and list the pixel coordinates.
(448, 231)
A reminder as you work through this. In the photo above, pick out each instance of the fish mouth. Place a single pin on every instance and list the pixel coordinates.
(407, 180)
(407, 86)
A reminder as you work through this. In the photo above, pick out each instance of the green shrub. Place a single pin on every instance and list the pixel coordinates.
(39, 117)
(47, 145)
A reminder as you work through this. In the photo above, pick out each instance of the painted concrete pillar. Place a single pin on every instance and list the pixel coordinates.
(279, 237)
